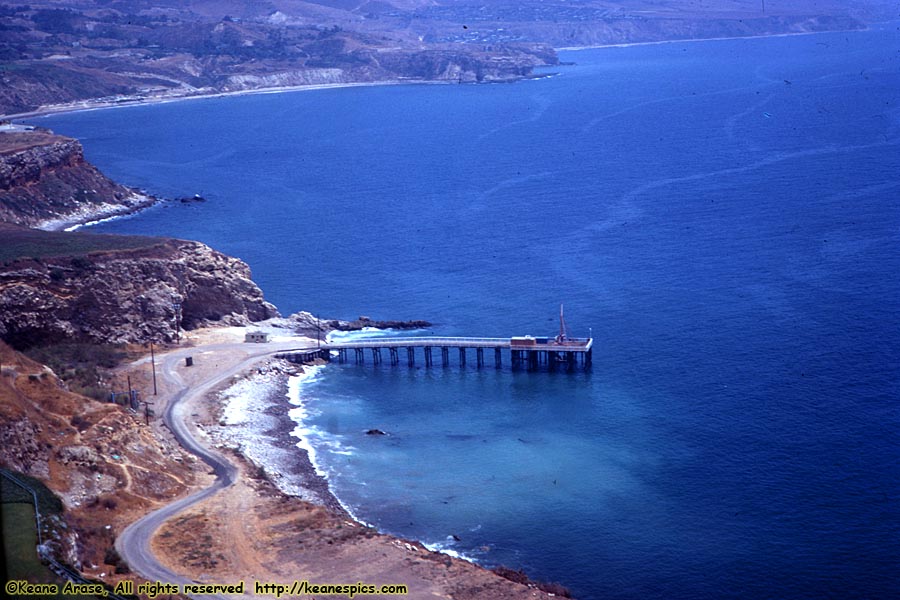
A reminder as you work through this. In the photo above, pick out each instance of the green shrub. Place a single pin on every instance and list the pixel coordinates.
(80, 365)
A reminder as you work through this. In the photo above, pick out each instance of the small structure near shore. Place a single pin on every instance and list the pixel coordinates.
(256, 337)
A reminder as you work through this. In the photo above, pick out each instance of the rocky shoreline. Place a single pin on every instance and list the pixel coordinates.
(87, 216)
(266, 440)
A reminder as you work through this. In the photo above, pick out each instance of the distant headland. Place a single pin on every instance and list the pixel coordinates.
(65, 55)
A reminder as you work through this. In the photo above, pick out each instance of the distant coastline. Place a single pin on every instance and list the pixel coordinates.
(105, 103)
(126, 101)
(710, 39)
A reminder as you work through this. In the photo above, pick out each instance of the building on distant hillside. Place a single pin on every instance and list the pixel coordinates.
(256, 337)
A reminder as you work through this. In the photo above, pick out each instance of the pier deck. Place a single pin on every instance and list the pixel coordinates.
(527, 352)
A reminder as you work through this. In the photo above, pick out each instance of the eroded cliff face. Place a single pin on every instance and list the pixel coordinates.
(134, 296)
(46, 182)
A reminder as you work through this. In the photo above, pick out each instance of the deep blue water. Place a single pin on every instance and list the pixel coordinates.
(724, 218)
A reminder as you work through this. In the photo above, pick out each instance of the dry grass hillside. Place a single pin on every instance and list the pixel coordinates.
(103, 461)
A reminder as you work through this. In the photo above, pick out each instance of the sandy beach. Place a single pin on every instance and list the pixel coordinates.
(127, 101)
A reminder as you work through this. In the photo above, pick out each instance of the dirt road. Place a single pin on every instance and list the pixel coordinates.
(230, 360)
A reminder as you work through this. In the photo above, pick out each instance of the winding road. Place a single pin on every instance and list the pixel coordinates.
(133, 544)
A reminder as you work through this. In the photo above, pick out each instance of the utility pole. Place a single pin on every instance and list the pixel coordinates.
(153, 363)
(146, 411)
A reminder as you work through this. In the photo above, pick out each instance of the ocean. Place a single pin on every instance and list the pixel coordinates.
(722, 217)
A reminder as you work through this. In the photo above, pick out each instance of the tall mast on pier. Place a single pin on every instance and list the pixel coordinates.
(562, 326)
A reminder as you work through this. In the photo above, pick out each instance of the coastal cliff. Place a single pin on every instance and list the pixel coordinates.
(46, 182)
(119, 295)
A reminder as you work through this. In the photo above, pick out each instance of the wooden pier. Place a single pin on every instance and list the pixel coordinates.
(304, 356)
(528, 352)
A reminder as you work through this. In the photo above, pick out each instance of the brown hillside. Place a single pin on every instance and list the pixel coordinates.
(100, 458)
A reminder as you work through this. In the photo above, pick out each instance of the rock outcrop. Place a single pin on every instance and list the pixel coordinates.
(366, 322)
(138, 295)
(46, 182)
(305, 323)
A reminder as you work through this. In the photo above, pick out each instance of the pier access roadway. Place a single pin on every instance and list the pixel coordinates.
(134, 542)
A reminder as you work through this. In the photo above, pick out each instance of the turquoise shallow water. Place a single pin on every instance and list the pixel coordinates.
(722, 216)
